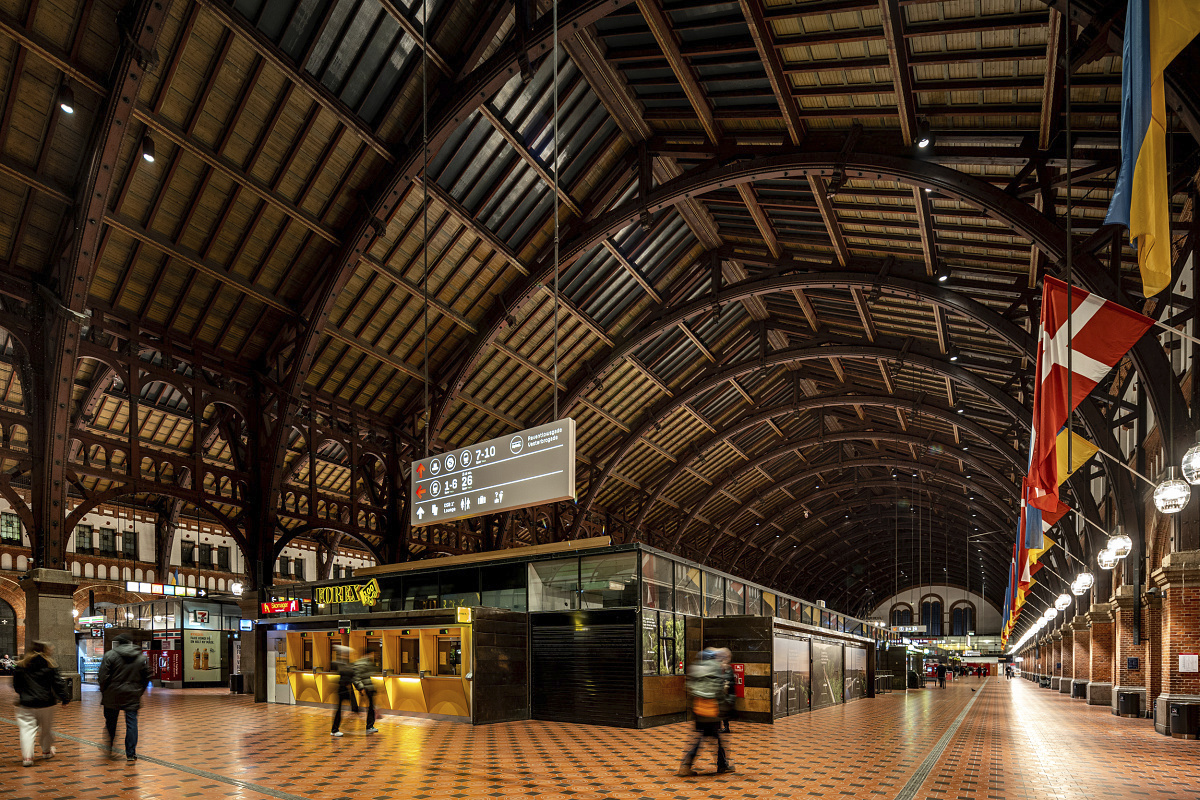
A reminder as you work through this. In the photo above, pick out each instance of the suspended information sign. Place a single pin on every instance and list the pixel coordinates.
(519, 470)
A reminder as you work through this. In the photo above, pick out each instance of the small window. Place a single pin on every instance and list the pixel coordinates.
(299, 568)
(10, 528)
(449, 649)
(83, 539)
(285, 566)
(187, 554)
(204, 555)
(129, 544)
(410, 656)
(223, 558)
(108, 542)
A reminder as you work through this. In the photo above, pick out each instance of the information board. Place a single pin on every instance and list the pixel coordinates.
(520, 470)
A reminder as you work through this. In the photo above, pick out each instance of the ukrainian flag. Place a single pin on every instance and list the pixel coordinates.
(1155, 32)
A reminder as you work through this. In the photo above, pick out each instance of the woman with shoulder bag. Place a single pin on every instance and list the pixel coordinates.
(39, 688)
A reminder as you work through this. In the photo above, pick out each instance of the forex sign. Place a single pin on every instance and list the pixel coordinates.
(523, 469)
(365, 593)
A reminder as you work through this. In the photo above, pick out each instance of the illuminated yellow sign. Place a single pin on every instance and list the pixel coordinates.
(365, 593)
(463, 614)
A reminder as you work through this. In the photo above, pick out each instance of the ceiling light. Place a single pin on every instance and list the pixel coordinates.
(952, 353)
(1172, 494)
(928, 190)
(942, 273)
(1120, 544)
(1191, 463)
(66, 98)
(1062, 602)
(959, 408)
(1085, 579)
(1107, 559)
(1050, 613)
(924, 135)
(148, 148)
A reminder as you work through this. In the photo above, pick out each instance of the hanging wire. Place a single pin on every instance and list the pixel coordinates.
(425, 210)
(1070, 235)
(554, 80)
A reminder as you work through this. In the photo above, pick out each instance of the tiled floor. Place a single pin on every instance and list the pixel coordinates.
(1015, 741)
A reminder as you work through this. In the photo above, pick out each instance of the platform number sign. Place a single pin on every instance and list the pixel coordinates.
(518, 470)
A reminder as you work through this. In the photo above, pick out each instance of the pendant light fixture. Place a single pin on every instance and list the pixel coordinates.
(1063, 602)
(1107, 559)
(1191, 463)
(1173, 493)
(1119, 544)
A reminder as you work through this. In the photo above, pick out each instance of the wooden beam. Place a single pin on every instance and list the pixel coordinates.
(864, 313)
(192, 259)
(806, 306)
(925, 227)
(825, 206)
(410, 27)
(760, 31)
(22, 174)
(50, 53)
(517, 143)
(893, 31)
(696, 341)
(529, 365)
(663, 33)
(1051, 85)
(760, 219)
(629, 267)
(460, 213)
(888, 383)
(939, 321)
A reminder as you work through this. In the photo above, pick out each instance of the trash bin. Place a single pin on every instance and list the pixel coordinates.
(1185, 720)
(237, 684)
(914, 680)
(1079, 690)
(1044, 682)
(1129, 704)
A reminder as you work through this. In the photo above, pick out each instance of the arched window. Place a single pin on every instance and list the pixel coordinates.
(901, 614)
(931, 615)
(962, 619)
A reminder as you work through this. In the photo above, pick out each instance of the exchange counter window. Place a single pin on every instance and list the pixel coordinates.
(503, 586)
(373, 649)
(658, 578)
(714, 595)
(306, 654)
(410, 656)
(609, 581)
(449, 649)
(460, 587)
(554, 585)
(687, 590)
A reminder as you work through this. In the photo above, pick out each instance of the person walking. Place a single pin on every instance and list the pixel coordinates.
(706, 686)
(941, 676)
(724, 656)
(345, 673)
(124, 674)
(39, 687)
(364, 668)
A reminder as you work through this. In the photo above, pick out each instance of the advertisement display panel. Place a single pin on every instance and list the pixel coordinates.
(826, 674)
(202, 656)
(856, 672)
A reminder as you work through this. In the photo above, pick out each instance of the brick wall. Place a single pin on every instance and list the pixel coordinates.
(1181, 634)
(1101, 652)
(1081, 659)
(1124, 647)
(1068, 652)
(1056, 656)
(1152, 626)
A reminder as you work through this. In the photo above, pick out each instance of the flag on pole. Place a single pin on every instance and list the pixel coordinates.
(1155, 32)
(1080, 449)
(1101, 334)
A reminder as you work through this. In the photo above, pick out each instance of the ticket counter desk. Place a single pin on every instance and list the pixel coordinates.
(426, 663)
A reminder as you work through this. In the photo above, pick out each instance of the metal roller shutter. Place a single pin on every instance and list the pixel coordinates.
(584, 667)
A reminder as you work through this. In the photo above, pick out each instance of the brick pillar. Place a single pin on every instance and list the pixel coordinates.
(1100, 664)
(1152, 635)
(1068, 657)
(1179, 581)
(1056, 660)
(1125, 678)
(1081, 658)
(49, 601)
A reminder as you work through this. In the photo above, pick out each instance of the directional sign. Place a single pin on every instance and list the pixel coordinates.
(519, 470)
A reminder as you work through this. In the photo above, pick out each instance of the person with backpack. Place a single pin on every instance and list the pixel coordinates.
(124, 674)
(39, 687)
(706, 685)
(345, 673)
(364, 667)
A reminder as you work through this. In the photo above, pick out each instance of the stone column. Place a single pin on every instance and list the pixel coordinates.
(254, 655)
(1100, 666)
(1068, 657)
(1056, 658)
(1179, 581)
(1127, 678)
(49, 601)
(1152, 635)
(1081, 658)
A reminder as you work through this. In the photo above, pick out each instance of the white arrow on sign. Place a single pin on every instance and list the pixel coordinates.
(420, 513)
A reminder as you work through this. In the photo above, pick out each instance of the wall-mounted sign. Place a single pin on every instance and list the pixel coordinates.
(90, 621)
(462, 614)
(165, 589)
(280, 606)
(1189, 662)
(199, 616)
(245, 624)
(365, 593)
(523, 469)
(908, 628)
(739, 679)
(970, 653)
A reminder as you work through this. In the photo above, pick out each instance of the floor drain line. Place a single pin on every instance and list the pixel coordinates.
(918, 778)
(199, 773)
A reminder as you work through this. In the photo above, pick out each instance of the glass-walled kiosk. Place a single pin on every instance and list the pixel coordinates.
(578, 631)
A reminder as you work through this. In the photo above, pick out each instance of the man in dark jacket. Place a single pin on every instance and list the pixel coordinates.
(124, 673)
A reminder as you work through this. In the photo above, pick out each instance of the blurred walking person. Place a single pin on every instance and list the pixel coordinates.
(124, 674)
(706, 686)
(728, 711)
(39, 687)
(364, 668)
(345, 673)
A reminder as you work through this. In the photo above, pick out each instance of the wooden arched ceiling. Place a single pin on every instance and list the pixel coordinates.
(722, 327)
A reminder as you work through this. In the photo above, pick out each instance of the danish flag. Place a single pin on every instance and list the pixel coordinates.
(1101, 333)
